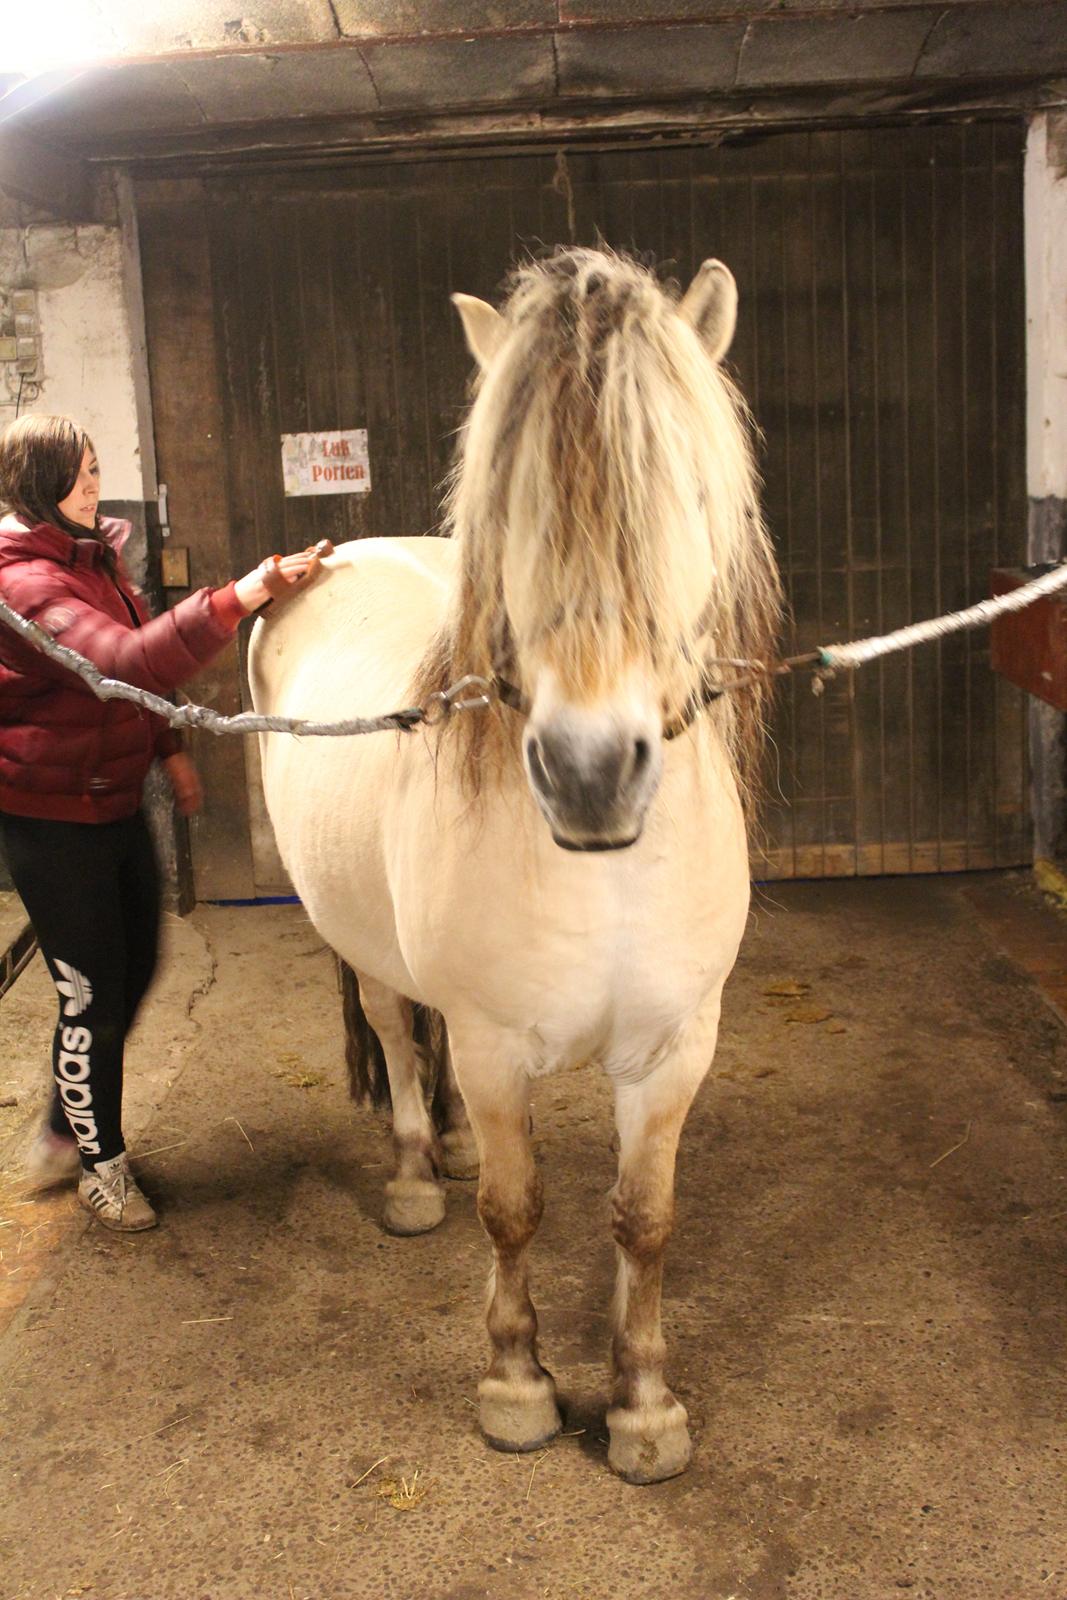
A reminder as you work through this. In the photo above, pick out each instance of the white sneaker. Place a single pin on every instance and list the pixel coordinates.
(52, 1159)
(111, 1194)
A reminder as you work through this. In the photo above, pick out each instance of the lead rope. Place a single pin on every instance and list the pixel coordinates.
(438, 706)
(473, 693)
(828, 659)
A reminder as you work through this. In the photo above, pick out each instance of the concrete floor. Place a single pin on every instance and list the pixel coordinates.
(864, 1302)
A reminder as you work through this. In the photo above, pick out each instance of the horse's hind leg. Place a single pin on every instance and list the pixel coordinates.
(414, 1199)
(647, 1425)
(459, 1148)
(517, 1397)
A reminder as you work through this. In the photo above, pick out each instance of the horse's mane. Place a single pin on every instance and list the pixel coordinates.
(600, 431)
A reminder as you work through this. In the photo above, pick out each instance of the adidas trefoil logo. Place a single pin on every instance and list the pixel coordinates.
(76, 989)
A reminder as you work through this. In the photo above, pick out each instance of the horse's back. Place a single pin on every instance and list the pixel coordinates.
(351, 643)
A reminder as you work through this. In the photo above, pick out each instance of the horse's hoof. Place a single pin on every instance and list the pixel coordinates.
(518, 1414)
(650, 1445)
(459, 1153)
(413, 1205)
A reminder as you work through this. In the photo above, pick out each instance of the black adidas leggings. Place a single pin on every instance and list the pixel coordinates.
(92, 892)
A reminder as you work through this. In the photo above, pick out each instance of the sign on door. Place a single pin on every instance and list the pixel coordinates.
(326, 463)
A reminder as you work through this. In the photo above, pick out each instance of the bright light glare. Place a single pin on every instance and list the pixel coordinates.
(52, 34)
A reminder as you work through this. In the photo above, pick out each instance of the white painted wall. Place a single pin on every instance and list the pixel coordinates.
(1045, 200)
(87, 349)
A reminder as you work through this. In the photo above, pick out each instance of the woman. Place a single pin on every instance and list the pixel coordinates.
(72, 771)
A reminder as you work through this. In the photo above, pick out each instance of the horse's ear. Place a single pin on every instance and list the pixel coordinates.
(710, 304)
(483, 326)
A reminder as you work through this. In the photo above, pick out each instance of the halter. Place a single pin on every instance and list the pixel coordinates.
(697, 702)
(509, 695)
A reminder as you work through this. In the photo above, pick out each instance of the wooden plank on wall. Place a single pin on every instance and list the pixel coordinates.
(1009, 493)
(919, 338)
(888, 284)
(190, 444)
(249, 421)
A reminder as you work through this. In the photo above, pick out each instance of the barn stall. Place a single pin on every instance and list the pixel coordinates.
(868, 1208)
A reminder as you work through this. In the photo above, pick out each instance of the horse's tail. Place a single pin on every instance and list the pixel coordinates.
(431, 1042)
(368, 1078)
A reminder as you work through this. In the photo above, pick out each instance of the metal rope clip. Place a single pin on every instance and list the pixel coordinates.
(444, 701)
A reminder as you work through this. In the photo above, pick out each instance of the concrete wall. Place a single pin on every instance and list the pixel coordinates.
(85, 368)
(1046, 316)
(91, 366)
(1045, 193)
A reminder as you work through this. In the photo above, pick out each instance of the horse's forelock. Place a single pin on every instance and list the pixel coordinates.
(600, 433)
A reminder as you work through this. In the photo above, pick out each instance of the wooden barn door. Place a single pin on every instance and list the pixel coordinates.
(880, 344)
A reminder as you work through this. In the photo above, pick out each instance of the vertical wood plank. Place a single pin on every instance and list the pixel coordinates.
(187, 408)
(862, 450)
(952, 452)
(1014, 836)
(832, 618)
(977, 249)
(920, 353)
(894, 557)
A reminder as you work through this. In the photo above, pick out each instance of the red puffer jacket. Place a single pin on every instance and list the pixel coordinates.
(64, 754)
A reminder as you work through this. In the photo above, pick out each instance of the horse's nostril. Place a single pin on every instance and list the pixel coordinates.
(537, 766)
(642, 755)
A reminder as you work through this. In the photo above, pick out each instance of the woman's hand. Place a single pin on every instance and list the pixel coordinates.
(185, 782)
(251, 590)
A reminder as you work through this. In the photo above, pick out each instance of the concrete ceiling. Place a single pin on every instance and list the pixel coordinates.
(202, 79)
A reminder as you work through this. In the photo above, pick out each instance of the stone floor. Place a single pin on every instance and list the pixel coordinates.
(864, 1298)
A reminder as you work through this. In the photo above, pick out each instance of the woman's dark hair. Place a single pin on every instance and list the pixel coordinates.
(40, 458)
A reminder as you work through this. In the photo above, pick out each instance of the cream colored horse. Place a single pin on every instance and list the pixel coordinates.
(552, 877)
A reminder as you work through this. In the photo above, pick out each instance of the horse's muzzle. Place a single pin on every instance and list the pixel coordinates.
(593, 785)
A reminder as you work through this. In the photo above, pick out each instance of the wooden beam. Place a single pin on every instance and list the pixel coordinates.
(403, 136)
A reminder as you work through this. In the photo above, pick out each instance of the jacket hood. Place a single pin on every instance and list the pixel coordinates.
(43, 542)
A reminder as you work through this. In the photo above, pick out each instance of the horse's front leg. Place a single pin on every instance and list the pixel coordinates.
(647, 1425)
(517, 1397)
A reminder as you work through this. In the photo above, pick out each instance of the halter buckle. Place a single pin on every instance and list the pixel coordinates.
(442, 702)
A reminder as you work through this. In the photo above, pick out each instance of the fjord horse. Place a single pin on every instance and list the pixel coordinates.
(562, 876)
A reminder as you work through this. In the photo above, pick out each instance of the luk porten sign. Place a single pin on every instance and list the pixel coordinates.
(326, 463)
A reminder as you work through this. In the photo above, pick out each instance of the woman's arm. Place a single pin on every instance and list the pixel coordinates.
(159, 655)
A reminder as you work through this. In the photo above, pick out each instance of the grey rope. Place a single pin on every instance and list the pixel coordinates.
(825, 660)
(976, 616)
(193, 716)
(828, 659)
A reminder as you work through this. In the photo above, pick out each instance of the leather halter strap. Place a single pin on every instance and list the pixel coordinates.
(513, 697)
(703, 697)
